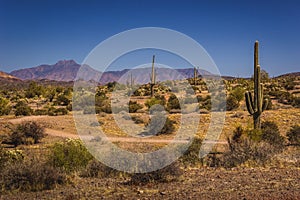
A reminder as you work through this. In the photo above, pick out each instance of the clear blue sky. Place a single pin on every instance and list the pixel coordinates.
(35, 32)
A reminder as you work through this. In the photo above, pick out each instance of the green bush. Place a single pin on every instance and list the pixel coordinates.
(22, 109)
(191, 156)
(157, 127)
(173, 102)
(238, 93)
(156, 100)
(40, 112)
(294, 135)
(27, 133)
(70, 155)
(34, 90)
(271, 135)
(232, 103)
(62, 100)
(5, 107)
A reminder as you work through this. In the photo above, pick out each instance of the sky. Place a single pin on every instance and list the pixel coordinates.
(35, 32)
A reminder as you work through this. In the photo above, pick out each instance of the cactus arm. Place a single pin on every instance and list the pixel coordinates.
(249, 103)
(265, 104)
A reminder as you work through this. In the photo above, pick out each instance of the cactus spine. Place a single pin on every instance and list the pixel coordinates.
(256, 107)
(153, 77)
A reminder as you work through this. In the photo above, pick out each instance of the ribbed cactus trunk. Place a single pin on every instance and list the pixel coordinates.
(131, 81)
(152, 77)
(195, 76)
(256, 107)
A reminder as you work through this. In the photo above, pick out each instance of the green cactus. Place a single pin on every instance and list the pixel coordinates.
(153, 77)
(256, 107)
(195, 76)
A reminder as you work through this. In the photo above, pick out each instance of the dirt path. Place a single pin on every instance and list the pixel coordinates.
(63, 134)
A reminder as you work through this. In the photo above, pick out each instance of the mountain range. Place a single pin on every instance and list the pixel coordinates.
(66, 70)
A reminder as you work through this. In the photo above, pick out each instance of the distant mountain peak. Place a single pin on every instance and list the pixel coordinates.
(67, 62)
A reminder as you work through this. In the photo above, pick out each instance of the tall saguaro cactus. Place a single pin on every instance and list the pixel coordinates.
(195, 76)
(153, 77)
(258, 105)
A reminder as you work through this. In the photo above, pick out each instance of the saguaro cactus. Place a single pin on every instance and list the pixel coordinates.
(153, 77)
(256, 107)
(195, 76)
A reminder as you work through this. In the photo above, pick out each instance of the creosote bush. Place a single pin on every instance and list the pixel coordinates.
(27, 133)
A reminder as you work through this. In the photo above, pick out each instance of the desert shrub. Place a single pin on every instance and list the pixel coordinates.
(69, 107)
(232, 103)
(157, 125)
(191, 155)
(70, 155)
(238, 94)
(30, 176)
(296, 102)
(5, 107)
(22, 109)
(27, 133)
(294, 135)
(167, 174)
(271, 135)
(40, 112)
(99, 170)
(204, 102)
(52, 111)
(173, 102)
(158, 99)
(61, 111)
(134, 106)
(245, 150)
(8, 157)
(249, 146)
(289, 85)
(62, 100)
(34, 90)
